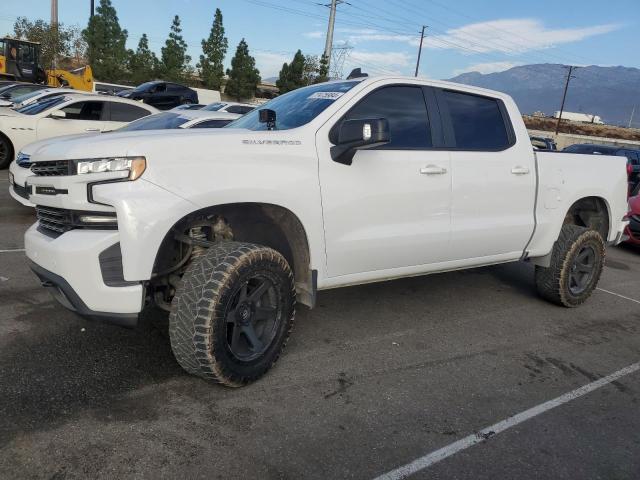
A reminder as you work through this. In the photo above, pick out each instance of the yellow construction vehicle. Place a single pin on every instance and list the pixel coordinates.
(78, 79)
(20, 61)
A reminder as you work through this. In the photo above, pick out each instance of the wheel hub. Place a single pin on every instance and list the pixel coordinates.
(582, 270)
(244, 314)
(252, 318)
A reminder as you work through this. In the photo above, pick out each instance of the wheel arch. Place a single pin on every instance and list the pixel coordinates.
(592, 212)
(266, 224)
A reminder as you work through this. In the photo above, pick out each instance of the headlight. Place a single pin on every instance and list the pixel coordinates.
(134, 165)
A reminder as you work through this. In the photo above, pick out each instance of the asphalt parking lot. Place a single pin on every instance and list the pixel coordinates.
(374, 378)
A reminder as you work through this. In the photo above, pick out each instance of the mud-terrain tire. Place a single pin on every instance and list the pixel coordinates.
(233, 313)
(6, 152)
(577, 260)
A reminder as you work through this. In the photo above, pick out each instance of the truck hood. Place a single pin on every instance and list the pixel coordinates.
(33, 148)
(150, 143)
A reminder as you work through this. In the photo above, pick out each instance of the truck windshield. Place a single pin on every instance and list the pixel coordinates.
(296, 108)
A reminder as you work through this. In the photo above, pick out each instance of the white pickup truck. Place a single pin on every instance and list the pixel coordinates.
(335, 184)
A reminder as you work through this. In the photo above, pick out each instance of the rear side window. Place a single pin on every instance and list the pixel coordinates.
(84, 110)
(477, 122)
(404, 108)
(122, 112)
(211, 124)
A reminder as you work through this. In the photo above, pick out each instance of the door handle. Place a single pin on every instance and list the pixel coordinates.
(520, 170)
(91, 129)
(433, 170)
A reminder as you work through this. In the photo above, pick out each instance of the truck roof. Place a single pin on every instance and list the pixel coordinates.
(431, 82)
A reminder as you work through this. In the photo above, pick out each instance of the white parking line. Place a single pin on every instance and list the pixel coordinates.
(618, 295)
(12, 250)
(486, 433)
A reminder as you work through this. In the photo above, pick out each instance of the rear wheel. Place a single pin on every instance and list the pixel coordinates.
(233, 312)
(577, 260)
(6, 152)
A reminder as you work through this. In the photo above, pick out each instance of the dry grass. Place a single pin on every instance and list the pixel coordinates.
(577, 128)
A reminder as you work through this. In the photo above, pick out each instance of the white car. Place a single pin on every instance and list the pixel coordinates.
(327, 186)
(231, 107)
(64, 115)
(32, 97)
(21, 168)
(181, 119)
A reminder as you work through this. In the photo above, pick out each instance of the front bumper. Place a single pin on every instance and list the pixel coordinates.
(18, 187)
(70, 264)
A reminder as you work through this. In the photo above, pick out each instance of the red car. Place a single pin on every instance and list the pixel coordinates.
(633, 230)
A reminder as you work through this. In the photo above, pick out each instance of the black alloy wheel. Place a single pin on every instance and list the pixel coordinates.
(253, 317)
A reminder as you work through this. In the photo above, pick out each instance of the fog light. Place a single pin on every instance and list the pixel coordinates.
(97, 219)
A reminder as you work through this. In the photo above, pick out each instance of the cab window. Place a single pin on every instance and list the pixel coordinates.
(477, 122)
(405, 109)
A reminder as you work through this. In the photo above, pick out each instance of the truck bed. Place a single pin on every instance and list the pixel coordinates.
(564, 178)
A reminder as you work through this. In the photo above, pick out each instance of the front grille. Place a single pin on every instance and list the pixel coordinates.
(54, 220)
(53, 168)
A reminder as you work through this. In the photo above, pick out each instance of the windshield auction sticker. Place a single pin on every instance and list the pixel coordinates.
(326, 95)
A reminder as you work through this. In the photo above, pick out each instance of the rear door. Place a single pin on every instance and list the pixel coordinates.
(390, 208)
(81, 117)
(493, 177)
(119, 114)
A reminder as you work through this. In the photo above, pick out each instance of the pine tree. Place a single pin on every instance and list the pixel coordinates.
(214, 50)
(175, 61)
(54, 42)
(323, 70)
(292, 75)
(143, 63)
(106, 50)
(243, 74)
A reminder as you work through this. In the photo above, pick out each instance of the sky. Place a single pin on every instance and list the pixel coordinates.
(382, 36)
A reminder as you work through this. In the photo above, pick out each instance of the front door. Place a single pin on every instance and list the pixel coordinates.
(80, 117)
(391, 207)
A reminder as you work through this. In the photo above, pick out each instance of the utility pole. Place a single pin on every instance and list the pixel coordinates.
(332, 20)
(54, 28)
(93, 8)
(564, 95)
(420, 49)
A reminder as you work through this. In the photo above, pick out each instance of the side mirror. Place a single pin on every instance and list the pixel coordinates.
(58, 114)
(357, 135)
(268, 116)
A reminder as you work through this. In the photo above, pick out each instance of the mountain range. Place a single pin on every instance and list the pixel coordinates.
(610, 92)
